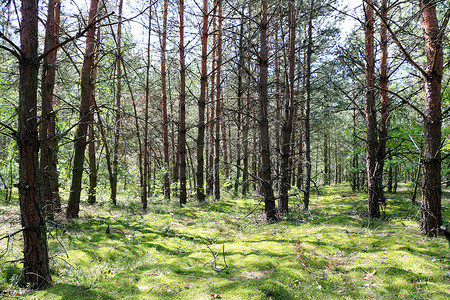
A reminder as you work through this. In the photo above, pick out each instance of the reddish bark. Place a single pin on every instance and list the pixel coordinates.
(73, 207)
(47, 132)
(431, 215)
(36, 261)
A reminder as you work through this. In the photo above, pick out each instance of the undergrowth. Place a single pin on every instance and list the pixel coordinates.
(225, 250)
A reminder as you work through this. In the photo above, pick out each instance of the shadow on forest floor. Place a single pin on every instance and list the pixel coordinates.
(224, 249)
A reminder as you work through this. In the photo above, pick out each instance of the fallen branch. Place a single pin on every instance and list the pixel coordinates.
(214, 265)
(12, 234)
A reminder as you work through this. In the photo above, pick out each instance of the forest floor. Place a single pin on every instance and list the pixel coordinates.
(224, 250)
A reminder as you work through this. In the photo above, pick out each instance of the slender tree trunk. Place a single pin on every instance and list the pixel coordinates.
(165, 124)
(355, 160)
(47, 133)
(307, 132)
(389, 185)
(73, 207)
(370, 110)
(201, 107)
(288, 120)
(218, 102)
(265, 169)
(278, 119)
(326, 162)
(117, 124)
(246, 127)
(182, 112)
(241, 107)
(212, 122)
(300, 175)
(431, 214)
(384, 122)
(145, 173)
(36, 261)
(92, 162)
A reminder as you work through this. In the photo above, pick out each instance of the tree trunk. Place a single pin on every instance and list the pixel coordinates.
(218, 102)
(165, 124)
(146, 170)
(36, 261)
(201, 106)
(326, 162)
(73, 207)
(307, 132)
(288, 120)
(355, 158)
(47, 132)
(246, 127)
(241, 107)
(431, 215)
(182, 112)
(92, 192)
(115, 162)
(265, 169)
(370, 110)
(384, 122)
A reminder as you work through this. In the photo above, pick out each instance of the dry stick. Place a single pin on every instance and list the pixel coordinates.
(12, 234)
(214, 267)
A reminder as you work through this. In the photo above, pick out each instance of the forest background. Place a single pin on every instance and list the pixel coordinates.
(104, 103)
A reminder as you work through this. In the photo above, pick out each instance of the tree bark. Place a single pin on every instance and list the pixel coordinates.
(165, 124)
(47, 129)
(265, 169)
(326, 162)
(73, 207)
(431, 215)
(241, 107)
(146, 171)
(370, 111)
(218, 103)
(182, 111)
(201, 106)
(384, 122)
(307, 133)
(92, 192)
(36, 260)
(212, 120)
(288, 120)
(118, 117)
(246, 127)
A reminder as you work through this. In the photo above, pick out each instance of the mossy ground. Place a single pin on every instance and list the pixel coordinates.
(218, 250)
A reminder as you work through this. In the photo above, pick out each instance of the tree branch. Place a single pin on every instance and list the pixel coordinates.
(17, 53)
(441, 36)
(76, 36)
(399, 44)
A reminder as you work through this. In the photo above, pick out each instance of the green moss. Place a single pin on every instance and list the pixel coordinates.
(331, 252)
